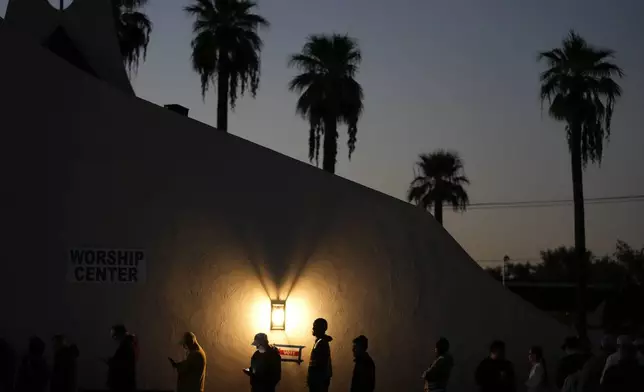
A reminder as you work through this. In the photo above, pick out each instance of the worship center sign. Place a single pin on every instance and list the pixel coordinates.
(86, 265)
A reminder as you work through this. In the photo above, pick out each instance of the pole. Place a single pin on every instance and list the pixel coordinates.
(506, 258)
(62, 4)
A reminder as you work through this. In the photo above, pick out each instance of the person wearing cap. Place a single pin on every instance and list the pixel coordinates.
(191, 372)
(624, 343)
(495, 373)
(572, 362)
(437, 375)
(320, 371)
(265, 369)
(591, 373)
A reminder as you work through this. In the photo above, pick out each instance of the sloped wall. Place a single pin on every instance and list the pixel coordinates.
(226, 225)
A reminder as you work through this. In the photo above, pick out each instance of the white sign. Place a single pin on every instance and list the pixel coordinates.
(86, 265)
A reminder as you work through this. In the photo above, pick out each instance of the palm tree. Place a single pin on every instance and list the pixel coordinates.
(329, 94)
(133, 29)
(579, 86)
(227, 46)
(439, 178)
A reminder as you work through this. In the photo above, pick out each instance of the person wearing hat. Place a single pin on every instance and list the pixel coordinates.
(572, 362)
(191, 372)
(591, 373)
(265, 369)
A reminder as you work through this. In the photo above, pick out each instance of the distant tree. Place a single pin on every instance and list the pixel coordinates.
(579, 86)
(329, 93)
(439, 178)
(226, 47)
(133, 29)
(632, 260)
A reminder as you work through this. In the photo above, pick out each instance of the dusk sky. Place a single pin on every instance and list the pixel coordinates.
(457, 74)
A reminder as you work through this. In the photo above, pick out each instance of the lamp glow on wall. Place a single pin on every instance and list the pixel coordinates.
(278, 315)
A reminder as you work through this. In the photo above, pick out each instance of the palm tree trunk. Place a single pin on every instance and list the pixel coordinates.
(330, 145)
(222, 96)
(580, 229)
(438, 211)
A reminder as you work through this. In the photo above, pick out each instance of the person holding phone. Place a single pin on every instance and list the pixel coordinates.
(191, 372)
(265, 369)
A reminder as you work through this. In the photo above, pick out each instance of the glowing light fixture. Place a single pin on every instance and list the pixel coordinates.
(278, 315)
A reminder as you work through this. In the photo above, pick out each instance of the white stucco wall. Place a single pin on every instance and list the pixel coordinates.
(226, 225)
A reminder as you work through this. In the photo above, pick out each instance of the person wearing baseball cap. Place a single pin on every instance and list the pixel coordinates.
(265, 369)
(572, 362)
(191, 372)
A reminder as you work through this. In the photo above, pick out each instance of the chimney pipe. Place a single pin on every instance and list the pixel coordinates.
(178, 109)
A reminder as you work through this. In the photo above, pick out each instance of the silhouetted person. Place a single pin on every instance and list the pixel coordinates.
(639, 346)
(7, 366)
(495, 373)
(627, 375)
(364, 370)
(33, 374)
(572, 362)
(265, 369)
(538, 376)
(437, 375)
(64, 373)
(121, 373)
(591, 373)
(191, 372)
(320, 369)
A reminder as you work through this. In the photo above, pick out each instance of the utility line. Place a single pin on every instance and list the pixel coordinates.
(556, 202)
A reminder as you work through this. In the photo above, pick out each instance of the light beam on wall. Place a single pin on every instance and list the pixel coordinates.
(278, 315)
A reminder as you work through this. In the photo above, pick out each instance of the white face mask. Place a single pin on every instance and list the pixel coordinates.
(261, 349)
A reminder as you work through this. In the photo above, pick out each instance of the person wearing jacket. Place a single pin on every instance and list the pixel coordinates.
(320, 369)
(121, 372)
(437, 375)
(191, 372)
(495, 373)
(364, 369)
(265, 369)
(64, 374)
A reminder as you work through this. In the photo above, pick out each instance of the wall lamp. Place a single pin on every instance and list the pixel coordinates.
(278, 315)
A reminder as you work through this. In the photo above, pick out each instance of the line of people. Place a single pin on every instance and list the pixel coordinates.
(617, 366)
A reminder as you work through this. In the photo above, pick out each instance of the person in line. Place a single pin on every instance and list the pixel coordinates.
(437, 375)
(121, 372)
(639, 346)
(191, 372)
(364, 369)
(623, 342)
(33, 374)
(538, 377)
(265, 369)
(573, 361)
(64, 373)
(495, 373)
(591, 373)
(627, 375)
(7, 366)
(320, 369)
